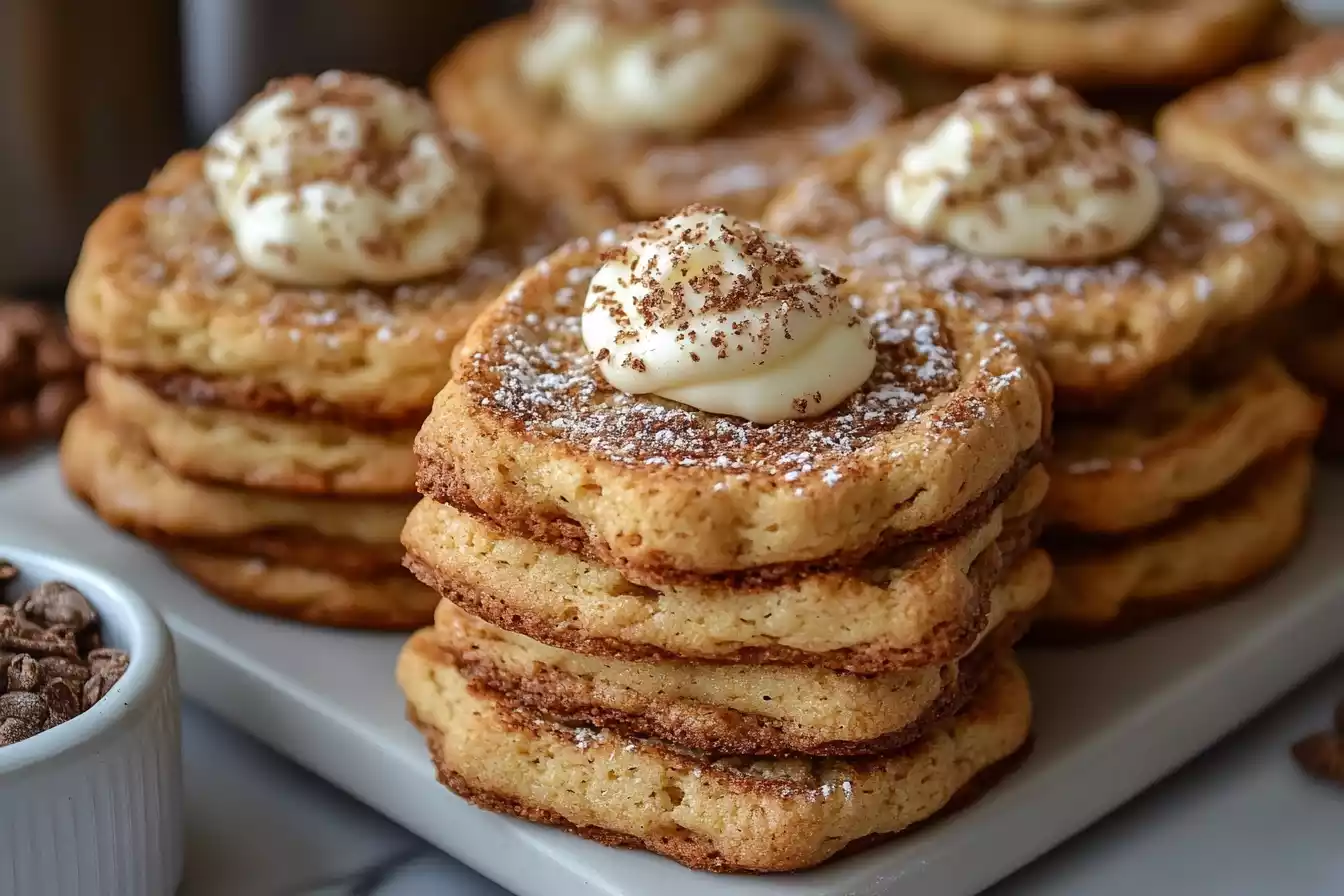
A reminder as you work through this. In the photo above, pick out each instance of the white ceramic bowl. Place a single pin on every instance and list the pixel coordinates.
(93, 807)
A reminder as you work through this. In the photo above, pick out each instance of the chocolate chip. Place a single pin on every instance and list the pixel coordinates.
(58, 668)
(56, 604)
(98, 685)
(23, 674)
(26, 707)
(61, 699)
(1322, 756)
(18, 636)
(8, 573)
(106, 659)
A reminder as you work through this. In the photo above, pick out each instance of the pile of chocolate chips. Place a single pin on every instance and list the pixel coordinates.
(1322, 755)
(53, 664)
(41, 374)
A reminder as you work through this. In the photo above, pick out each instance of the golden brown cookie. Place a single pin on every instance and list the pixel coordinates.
(527, 435)
(726, 814)
(1221, 256)
(1103, 43)
(259, 451)
(771, 710)
(1175, 444)
(159, 288)
(1103, 586)
(820, 100)
(926, 605)
(313, 595)
(114, 471)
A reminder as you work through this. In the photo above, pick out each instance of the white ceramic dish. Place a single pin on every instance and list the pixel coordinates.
(1111, 719)
(93, 807)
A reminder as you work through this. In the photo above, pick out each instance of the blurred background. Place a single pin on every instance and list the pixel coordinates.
(95, 95)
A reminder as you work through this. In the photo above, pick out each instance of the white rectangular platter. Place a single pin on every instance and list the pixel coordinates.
(1111, 720)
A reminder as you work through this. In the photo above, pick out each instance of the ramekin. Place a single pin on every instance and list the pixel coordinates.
(93, 807)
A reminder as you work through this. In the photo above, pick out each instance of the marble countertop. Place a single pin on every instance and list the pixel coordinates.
(1239, 821)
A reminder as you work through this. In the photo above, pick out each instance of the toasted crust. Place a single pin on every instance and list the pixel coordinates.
(693, 516)
(821, 101)
(924, 606)
(127, 486)
(257, 451)
(734, 814)
(1162, 44)
(1178, 444)
(1222, 256)
(318, 597)
(1206, 553)
(159, 287)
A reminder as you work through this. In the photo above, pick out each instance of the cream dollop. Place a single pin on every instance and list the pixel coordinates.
(642, 67)
(1022, 168)
(344, 178)
(1316, 106)
(713, 312)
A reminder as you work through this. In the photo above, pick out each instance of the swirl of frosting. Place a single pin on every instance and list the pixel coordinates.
(653, 65)
(713, 312)
(1022, 168)
(344, 178)
(1316, 106)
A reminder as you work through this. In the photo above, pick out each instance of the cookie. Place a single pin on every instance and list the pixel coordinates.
(770, 710)
(726, 814)
(1208, 552)
(924, 606)
(127, 486)
(310, 594)
(526, 434)
(1084, 44)
(818, 100)
(1173, 445)
(160, 290)
(259, 451)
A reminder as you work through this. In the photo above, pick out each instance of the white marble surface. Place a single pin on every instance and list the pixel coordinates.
(1239, 821)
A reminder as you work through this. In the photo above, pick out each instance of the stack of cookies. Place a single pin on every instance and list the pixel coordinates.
(732, 563)
(1279, 125)
(268, 321)
(1147, 283)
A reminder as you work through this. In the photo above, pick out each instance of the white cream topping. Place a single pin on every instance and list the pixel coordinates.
(344, 178)
(713, 312)
(1022, 168)
(674, 72)
(1316, 106)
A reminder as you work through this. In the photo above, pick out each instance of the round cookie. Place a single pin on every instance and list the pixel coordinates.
(1093, 44)
(771, 710)
(526, 434)
(924, 606)
(159, 288)
(1105, 587)
(1220, 256)
(305, 594)
(821, 100)
(259, 451)
(1175, 444)
(729, 814)
(114, 471)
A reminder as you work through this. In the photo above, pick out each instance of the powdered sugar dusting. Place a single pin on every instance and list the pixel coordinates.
(537, 374)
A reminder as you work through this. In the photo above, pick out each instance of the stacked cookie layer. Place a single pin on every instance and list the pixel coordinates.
(743, 647)
(261, 432)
